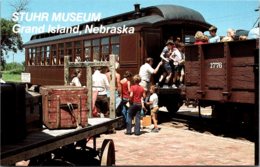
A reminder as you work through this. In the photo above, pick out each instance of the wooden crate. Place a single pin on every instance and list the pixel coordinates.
(64, 106)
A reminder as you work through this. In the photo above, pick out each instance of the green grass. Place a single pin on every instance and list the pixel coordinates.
(9, 76)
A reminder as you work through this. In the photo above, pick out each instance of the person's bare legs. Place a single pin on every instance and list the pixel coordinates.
(162, 78)
(154, 118)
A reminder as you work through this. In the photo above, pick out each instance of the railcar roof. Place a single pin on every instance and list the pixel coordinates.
(176, 12)
(149, 16)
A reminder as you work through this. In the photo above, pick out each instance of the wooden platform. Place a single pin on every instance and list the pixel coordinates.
(47, 140)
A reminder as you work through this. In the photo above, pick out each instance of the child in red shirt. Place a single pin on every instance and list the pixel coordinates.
(137, 94)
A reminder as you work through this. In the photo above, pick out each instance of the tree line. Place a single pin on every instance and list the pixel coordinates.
(10, 41)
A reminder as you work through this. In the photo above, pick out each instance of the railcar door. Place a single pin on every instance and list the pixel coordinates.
(152, 46)
(129, 56)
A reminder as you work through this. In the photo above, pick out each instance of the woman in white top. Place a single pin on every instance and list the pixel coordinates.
(76, 76)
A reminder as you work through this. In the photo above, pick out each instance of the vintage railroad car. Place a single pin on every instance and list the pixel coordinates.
(44, 53)
(205, 80)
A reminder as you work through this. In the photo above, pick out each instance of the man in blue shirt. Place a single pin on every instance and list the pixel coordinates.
(213, 35)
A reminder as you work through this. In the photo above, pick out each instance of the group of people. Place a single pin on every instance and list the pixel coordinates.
(139, 97)
(200, 38)
(173, 59)
(100, 89)
(132, 91)
(136, 93)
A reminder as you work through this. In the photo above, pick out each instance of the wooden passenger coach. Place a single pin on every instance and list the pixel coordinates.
(153, 26)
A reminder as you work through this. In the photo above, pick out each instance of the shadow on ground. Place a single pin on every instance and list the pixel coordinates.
(208, 125)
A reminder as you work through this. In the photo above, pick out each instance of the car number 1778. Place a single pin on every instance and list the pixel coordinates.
(215, 65)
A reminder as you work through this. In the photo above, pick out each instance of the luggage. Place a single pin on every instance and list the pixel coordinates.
(13, 115)
(146, 121)
(64, 106)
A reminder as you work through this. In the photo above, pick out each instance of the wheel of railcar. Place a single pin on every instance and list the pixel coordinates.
(173, 107)
(218, 112)
(108, 153)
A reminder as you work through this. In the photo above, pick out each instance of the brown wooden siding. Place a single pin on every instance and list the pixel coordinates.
(130, 53)
(222, 72)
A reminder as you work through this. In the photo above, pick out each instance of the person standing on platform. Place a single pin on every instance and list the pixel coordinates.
(145, 72)
(100, 85)
(165, 56)
(153, 103)
(117, 84)
(178, 59)
(137, 94)
(125, 93)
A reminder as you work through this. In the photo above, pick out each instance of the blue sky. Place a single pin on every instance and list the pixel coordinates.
(224, 14)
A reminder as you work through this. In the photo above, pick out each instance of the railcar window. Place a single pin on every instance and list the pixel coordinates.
(115, 39)
(77, 51)
(42, 55)
(77, 44)
(189, 39)
(96, 56)
(115, 45)
(96, 49)
(33, 58)
(69, 44)
(61, 53)
(69, 50)
(38, 53)
(87, 48)
(96, 42)
(30, 56)
(105, 53)
(54, 54)
(115, 49)
(105, 49)
(87, 53)
(105, 41)
(87, 43)
(47, 55)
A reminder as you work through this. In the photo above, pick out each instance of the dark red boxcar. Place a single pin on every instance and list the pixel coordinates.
(64, 106)
(222, 72)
